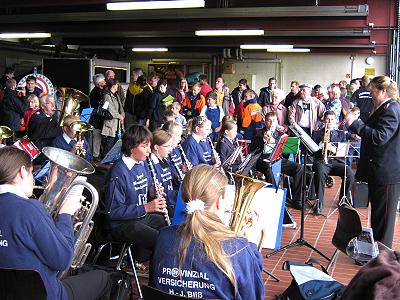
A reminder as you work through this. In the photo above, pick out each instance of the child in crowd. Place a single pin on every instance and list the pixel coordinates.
(33, 102)
(168, 116)
(176, 108)
(214, 113)
(194, 102)
(252, 115)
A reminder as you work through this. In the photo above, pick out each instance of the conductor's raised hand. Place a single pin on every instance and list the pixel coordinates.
(156, 205)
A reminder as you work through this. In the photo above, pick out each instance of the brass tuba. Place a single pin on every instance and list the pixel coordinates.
(70, 99)
(80, 128)
(65, 167)
(5, 133)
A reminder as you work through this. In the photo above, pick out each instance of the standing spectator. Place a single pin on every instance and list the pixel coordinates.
(8, 74)
(279, 109)
(111, 127)
(224, 98)
(333, 103)
(141, 100)
(181, 91)
(237, 93)
(380, 156)
(159, 102)
(13, 107)
(205, 87)
(146, 96)
(362, 98)
(31, 88)
(252, 115)
(214, 113)
(293, 95)
(33, 107)
(265, 92)
(96, 95)
(110, 74)
(194, 102)
(307, 111)
(133, 89)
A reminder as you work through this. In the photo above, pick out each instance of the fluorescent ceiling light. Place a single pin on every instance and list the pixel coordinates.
(289, 50)
(155, 4)
(228, 32)
(32, 35)
(149, 49)
(265, 47)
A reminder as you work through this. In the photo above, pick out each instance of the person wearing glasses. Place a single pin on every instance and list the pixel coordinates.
(161, 147)
(198, 148)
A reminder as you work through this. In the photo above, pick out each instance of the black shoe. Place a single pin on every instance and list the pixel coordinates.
(317, 211)
(294, 204)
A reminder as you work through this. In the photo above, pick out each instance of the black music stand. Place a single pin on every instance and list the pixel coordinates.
(311, 146)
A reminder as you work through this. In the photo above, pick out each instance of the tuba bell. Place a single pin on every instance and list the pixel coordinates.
(70, 99)
(65, 167)
(5, 133)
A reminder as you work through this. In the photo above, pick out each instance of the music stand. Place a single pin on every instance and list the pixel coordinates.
(311, 146)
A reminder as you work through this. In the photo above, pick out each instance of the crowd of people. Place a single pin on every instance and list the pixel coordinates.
(178, 139)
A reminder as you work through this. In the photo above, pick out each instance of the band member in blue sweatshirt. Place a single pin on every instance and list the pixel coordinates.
(175, 157)
(31, 239)
(161, 147)
(197, 147)
(214, 113)
(134, 212)
(67, 141)
(227, 143)
(204, 257)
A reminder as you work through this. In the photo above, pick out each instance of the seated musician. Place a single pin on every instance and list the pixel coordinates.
(197, 146)
(132, 218)
(335, 165)
(227, 143)
(203, 258)
(43, 126)
(175, 157)
(67, 141)
(269, 135)
(31, 239)
(161, 147)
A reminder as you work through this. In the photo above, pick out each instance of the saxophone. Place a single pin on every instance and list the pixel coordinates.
(325, 144)
(157, 185)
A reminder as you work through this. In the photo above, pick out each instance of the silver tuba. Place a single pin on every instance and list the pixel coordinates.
(65, 167)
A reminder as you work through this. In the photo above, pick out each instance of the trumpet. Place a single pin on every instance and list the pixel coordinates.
(80, 128)
(157, 184)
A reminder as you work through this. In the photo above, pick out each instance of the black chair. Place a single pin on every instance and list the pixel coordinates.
(348, 227)
(150, 293)
(21, 284)
(106, 239)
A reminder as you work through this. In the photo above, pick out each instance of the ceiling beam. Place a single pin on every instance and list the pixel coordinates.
(197, 13)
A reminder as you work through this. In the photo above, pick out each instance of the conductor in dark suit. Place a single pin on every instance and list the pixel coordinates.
(380, 156)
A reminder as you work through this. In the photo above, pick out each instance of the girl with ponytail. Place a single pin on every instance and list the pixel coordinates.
(203, 258)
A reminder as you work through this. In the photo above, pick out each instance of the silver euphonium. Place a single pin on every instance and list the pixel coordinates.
(65, 167)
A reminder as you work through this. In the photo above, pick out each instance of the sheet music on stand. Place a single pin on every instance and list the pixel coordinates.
(114, 153)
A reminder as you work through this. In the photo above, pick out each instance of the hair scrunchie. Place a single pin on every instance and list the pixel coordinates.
(194, 205)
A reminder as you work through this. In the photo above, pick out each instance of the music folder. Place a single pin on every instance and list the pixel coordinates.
(305, 138)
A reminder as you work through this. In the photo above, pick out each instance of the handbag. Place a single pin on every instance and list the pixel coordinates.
(103, 113)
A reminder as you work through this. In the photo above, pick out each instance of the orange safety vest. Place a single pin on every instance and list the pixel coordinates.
(252, 112)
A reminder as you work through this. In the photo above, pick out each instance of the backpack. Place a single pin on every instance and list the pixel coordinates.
(309, 283)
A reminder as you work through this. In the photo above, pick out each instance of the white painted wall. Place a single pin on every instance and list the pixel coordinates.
(306, 68)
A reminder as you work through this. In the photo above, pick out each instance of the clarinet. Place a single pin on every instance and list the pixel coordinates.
(185, 159)
(178, 170)
(157, 185)
(215, 153)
